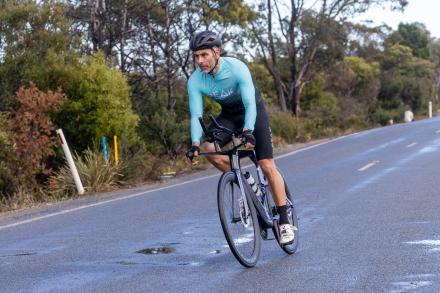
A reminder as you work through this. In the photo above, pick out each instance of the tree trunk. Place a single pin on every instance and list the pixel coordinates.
(275, 71)
(98, 8)
(123, 33)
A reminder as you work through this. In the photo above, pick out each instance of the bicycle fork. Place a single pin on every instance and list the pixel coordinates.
(243, 203)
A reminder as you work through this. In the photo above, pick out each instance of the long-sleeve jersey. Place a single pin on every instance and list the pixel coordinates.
(231, 86)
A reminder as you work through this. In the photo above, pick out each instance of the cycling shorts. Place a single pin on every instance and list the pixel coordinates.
(234, 120)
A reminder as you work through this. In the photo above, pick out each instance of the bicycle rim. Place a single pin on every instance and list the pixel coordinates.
(241, 232)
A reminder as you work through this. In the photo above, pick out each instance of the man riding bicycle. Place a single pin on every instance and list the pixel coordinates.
(228, 81)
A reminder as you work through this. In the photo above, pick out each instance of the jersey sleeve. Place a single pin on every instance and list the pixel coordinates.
(247, 92)
(196, 110)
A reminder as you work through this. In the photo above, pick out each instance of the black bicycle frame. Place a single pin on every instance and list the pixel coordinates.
(235, 154)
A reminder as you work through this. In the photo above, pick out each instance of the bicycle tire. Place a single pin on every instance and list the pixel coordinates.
(293, 219)
(228, 205)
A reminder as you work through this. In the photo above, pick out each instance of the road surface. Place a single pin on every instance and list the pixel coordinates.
(369, 209)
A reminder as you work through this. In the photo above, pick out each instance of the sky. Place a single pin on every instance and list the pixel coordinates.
(424, 11)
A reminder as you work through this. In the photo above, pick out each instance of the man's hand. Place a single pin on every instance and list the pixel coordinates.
(248, 139)
(192, 152)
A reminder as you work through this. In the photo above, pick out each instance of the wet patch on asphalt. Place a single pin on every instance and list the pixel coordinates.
(157, 250)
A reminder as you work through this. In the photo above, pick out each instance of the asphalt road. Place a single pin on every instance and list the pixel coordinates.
(369, 209)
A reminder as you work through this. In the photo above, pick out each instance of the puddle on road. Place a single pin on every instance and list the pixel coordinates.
(157, 250)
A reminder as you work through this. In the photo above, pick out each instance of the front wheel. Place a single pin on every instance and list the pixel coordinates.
(241, 229)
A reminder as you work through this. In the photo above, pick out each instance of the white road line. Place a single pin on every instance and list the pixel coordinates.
(104, 202)
(367, 166)
(153, 190)
(411, 144)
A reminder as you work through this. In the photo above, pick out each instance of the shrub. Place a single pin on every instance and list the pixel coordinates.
(33, 127)
(284, 125)
(26, 141)
(99, 105)
(9, 163)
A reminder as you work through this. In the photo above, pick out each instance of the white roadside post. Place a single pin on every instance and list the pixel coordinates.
(430, 109)
(70, 161)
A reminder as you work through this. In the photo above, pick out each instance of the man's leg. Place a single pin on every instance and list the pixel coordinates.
(276, 183)
(219, 161)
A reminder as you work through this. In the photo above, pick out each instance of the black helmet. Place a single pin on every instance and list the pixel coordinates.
(204, 40)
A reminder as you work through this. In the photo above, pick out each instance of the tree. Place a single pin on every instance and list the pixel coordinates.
(355, 83)
(405, 79)
(412, 35)
(36, 45)
(308, 34)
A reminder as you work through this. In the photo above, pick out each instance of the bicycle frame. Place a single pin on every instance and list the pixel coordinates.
(234, 154)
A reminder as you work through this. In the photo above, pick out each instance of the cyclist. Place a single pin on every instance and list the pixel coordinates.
(228, 81)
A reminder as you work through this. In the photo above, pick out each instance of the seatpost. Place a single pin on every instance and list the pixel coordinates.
(234, 140)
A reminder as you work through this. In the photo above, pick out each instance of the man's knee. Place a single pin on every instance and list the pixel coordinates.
(267, 166)
(208, 147)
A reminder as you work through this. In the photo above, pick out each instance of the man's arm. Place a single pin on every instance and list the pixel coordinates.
(196, 110)
(247, 92)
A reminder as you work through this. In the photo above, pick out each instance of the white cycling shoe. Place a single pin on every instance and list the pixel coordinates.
(287, 233)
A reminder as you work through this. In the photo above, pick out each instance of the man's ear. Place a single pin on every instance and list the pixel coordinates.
(217, 51)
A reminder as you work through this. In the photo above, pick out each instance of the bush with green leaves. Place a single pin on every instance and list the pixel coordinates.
(99, 105)
(284, 125)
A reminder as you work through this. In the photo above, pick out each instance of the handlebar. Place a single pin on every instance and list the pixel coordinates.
(221, 128)
(217, 126)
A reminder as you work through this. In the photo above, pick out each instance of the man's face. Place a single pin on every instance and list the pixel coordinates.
(206, 58)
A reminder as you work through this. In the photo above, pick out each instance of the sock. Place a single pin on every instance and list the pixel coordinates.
(282, 210)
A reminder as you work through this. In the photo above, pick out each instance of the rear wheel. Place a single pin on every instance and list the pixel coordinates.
(241, 229)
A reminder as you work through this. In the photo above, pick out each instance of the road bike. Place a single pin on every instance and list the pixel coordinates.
(245, 217)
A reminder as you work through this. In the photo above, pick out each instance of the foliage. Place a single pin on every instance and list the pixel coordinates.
(284, 125)
(355, 83)
(35, 46)
(320, 103)
(26, 140)
(99, 105)
(414, 36)
(406, 80)
(137, 164)
(263, 81)
(9, 175)
(33, 127)
(378, 114)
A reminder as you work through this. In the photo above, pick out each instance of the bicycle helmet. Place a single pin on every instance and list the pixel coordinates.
(205, 40)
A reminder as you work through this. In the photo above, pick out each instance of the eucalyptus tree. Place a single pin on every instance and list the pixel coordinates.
(303, 35)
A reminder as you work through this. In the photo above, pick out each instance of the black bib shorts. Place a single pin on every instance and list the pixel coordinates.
(233, 118)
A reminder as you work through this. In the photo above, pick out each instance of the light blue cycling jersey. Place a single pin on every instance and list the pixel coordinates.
(231, 86)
